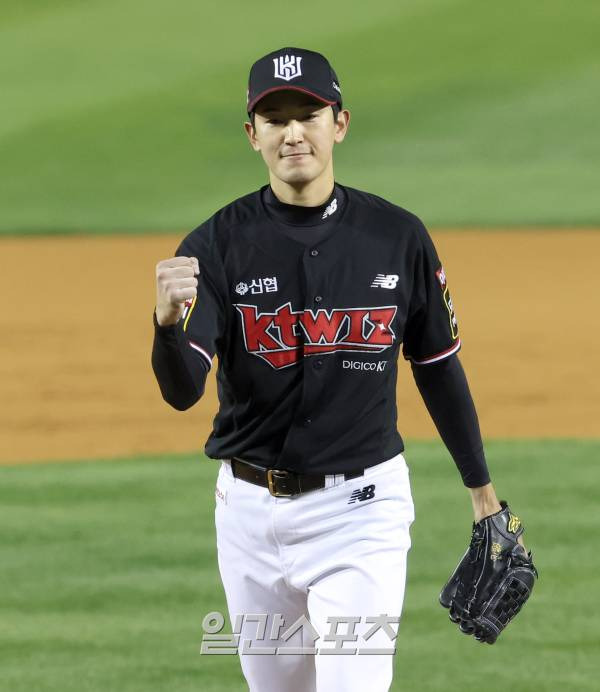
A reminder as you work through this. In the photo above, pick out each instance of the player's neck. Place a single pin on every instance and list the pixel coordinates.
(311, 194)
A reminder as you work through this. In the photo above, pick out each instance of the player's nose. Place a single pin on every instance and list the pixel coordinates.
(293, 132)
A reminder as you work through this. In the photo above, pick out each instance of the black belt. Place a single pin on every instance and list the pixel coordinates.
(281, 482)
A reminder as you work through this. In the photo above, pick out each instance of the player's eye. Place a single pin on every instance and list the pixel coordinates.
(309, 116)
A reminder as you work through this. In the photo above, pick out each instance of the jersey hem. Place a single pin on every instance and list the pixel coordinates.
(200, 350)
(438, 356)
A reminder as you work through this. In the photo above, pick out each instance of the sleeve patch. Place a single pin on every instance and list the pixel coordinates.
(441, 277)
(188, 306)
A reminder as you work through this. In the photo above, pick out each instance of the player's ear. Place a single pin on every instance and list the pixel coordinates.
(341, 125)
(251, 133)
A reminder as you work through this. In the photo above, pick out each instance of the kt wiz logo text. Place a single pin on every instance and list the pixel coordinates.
(281, 338)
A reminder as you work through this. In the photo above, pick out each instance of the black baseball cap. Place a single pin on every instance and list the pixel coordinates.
(297, 69)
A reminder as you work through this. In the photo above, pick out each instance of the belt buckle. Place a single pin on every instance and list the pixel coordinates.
(277, 473)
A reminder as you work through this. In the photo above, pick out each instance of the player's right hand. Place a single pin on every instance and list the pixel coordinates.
(176, 282)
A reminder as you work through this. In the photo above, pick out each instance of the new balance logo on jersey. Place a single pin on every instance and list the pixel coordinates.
(284, 337)
(362, 494)
(385, 281)
(331, 209)
(287, 67)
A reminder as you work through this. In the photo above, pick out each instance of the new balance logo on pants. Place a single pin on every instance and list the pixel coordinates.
(361, 494)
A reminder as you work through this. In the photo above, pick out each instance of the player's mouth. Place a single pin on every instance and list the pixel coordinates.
(293, 156)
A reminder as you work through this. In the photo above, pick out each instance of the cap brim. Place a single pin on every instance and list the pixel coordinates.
(283, 87)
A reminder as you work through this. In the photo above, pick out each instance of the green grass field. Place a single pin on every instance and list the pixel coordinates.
(127, 116)
(108, 568)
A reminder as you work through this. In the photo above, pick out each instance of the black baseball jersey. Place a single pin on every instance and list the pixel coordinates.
(307, 325)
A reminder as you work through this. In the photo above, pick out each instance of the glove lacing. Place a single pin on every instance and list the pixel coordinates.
(477, 539)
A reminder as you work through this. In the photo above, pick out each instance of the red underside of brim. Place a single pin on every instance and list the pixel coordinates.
(292, 88)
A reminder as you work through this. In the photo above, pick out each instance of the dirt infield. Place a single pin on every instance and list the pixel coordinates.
(77, 335)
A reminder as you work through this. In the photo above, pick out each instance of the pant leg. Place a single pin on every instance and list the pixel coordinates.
(254, 580)
(351, 556)
(360, 592)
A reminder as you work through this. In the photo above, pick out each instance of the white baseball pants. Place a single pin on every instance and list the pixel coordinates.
(336, 551)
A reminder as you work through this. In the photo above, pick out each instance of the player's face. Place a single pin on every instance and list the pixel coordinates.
(295, 135)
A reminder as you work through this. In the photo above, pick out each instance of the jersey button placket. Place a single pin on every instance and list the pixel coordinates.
(313, 276)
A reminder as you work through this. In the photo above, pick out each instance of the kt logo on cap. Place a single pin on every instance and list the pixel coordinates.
(287, 67)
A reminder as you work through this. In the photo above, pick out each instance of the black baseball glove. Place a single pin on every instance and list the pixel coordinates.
(493, 579)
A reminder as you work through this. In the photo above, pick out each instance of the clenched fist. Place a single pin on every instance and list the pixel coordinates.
(176, 282)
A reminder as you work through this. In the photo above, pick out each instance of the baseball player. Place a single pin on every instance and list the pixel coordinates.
(306, 290)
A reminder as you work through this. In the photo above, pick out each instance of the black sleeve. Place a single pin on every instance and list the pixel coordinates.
(445, 391)
(203, 319)
(182, 354)
(431, 331)
(181, 379)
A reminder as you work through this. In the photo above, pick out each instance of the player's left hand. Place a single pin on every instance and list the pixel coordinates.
(493, 579)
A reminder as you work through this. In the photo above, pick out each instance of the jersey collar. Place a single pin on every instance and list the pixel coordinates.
(270, 238)
(295, 215)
